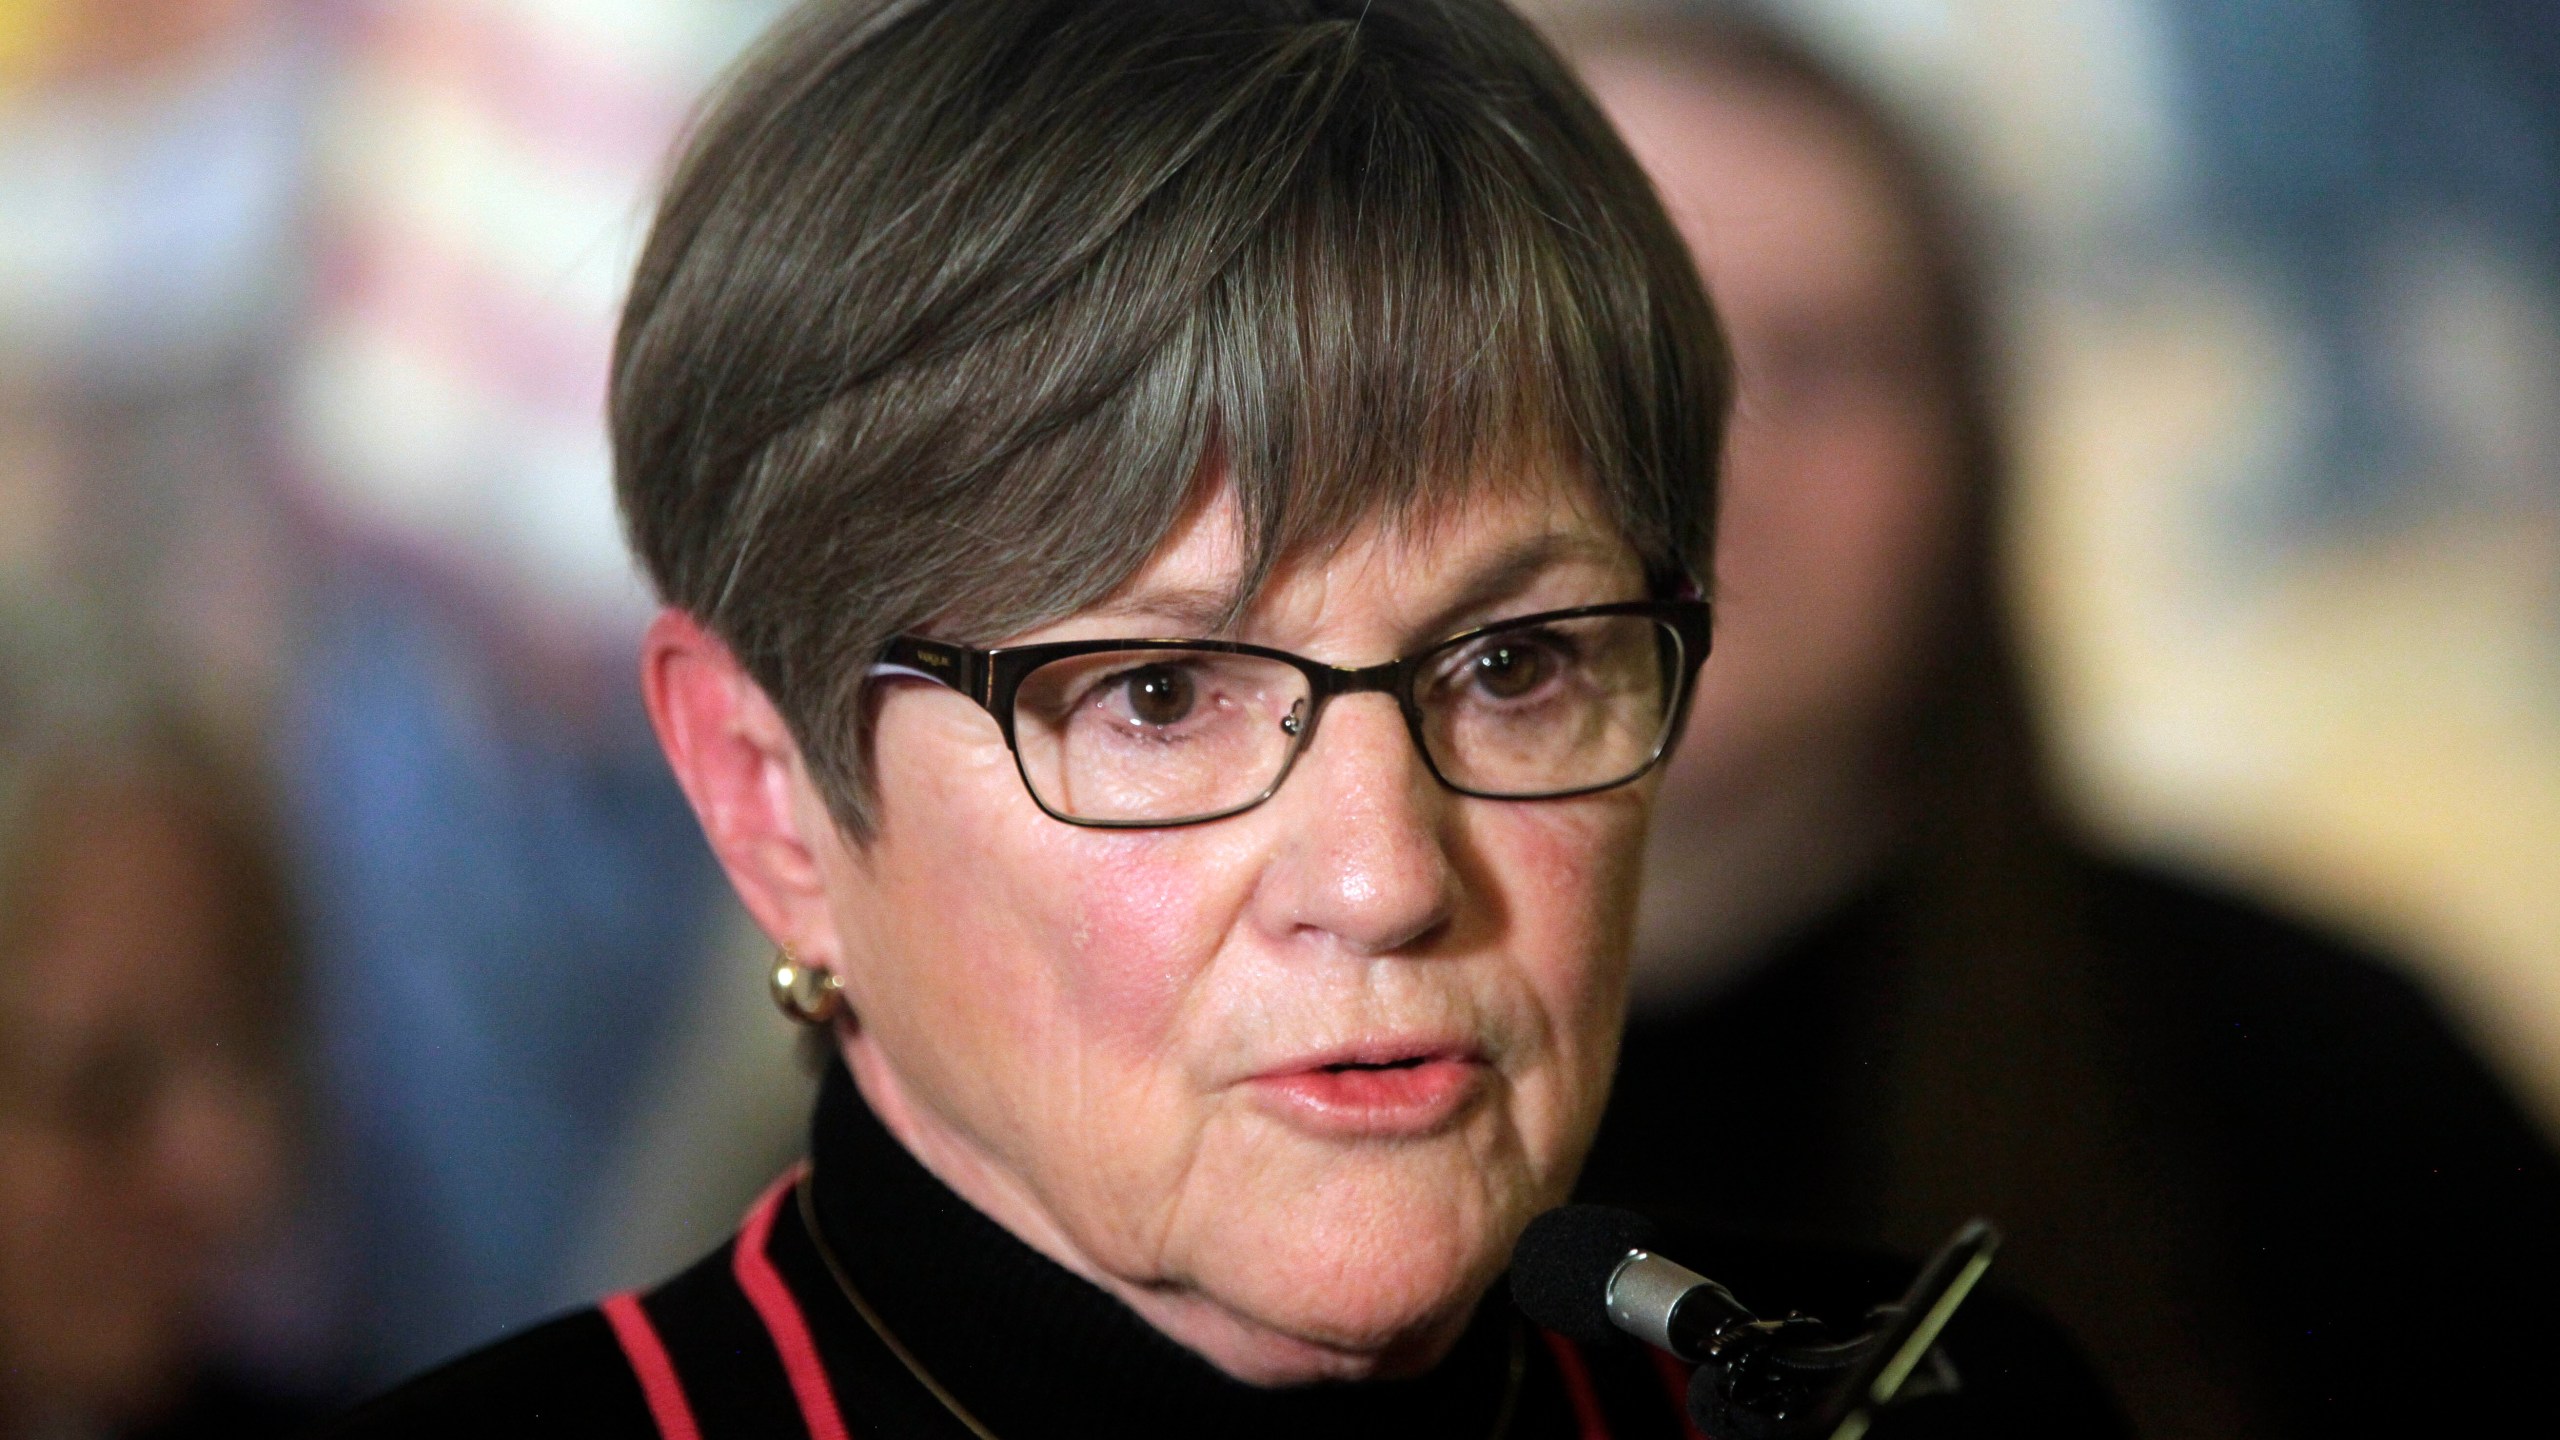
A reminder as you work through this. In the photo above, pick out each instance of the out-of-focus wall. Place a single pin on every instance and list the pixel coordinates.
(151, 175)
(514, 901)
(2366, 721)
(2283, 301)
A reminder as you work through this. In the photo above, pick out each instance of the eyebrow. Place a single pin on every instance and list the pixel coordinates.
(1506, 573)
(1204, 611)
(1194, 611)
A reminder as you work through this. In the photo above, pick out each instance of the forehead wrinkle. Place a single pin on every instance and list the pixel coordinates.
(1189, 609)
(1512, 569)
(1201, 583)
(1464, 584)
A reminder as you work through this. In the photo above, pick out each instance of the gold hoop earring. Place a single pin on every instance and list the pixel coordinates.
(807, 994)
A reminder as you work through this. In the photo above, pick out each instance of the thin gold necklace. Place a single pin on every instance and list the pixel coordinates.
(807, 1191)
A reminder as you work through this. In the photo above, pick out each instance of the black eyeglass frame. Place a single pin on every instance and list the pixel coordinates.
(993, 678)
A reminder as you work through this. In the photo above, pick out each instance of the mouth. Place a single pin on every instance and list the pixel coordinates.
(1388, 1090)
(1344, 1067)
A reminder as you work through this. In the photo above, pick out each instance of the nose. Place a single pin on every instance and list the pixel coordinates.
(1364, 862)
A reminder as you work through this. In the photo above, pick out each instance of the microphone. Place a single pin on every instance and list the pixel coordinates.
(1590, 1272)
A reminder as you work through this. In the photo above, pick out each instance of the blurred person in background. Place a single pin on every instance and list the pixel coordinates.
(146, 1018)
(509, 892)
(1883, 983)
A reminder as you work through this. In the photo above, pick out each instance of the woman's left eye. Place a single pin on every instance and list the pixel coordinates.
(1512, 667)
(1510, 670)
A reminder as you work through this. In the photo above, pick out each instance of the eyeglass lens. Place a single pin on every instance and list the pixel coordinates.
(1156, 736)
(1563, 705)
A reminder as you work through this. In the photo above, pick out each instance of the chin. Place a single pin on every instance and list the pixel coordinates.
(1333, 1326)
(1370, 1270)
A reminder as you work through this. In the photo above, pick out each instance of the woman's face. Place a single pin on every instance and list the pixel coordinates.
(1839, 490)
(140, 1145)
(1130, 1047)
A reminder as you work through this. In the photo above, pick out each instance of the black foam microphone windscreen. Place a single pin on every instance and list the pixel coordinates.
(1560, 1270)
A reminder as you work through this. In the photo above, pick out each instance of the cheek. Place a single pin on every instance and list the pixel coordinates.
(1056, 950)
(1563, 878)
(941, 944)
(1144, 915)
(1562, 865)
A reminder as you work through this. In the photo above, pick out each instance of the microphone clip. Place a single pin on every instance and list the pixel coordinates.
(1788, 1378)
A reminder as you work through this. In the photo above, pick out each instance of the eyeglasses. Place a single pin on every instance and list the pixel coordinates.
(1130, 734)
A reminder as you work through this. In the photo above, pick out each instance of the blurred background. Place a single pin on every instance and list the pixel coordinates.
(304, 314)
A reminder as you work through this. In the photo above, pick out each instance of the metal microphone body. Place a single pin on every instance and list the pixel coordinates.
(1671, 1307)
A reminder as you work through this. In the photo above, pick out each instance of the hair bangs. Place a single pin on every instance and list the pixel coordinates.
(1422, 309)
(1420, 322)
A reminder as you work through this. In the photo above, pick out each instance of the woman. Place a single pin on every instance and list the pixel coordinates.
(2230, 1152)
(1212, 1012)
(144, 1048)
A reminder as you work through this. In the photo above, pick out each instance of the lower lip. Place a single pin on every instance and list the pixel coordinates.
(1407, 1100)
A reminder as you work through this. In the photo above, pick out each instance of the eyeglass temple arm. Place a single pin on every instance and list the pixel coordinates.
(957, 666)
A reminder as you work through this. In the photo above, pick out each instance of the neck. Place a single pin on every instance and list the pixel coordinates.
(1245, 1349)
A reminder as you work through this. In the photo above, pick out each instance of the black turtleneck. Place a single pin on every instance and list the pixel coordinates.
(1030, 1349)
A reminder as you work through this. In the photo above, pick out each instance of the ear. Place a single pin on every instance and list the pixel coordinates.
(737, 763)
